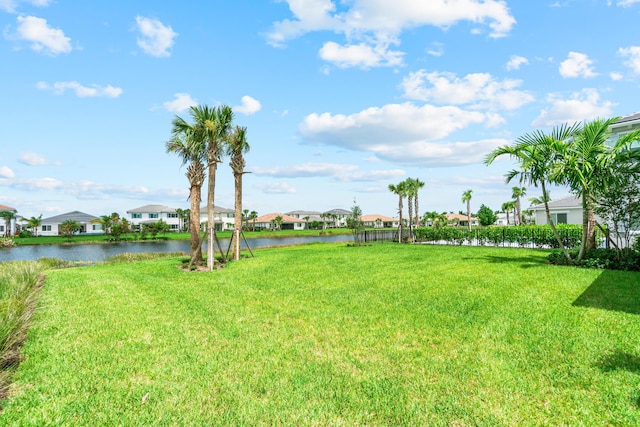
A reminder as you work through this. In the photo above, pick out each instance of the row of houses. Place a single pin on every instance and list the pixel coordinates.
(563, 211)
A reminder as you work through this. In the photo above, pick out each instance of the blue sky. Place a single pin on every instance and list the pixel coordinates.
(340, 98)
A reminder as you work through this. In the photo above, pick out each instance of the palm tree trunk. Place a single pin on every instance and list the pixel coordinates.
(410, 207)
(550, 221)
(415, 201)
(194, 225)
(469, 214)
(400, 223)
(591, 227)
(210, 211)
(237, 221)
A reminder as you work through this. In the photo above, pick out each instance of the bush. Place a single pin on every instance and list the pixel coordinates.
(608, 259)
(25, 233)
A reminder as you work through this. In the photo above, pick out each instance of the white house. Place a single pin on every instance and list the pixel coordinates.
(7, 228)
(307, 216)
(51, 226)
(625, 125)
(267, 222)
(153, 213)
(223, 218)
(567, 210)
(340, 216)
(379, 221)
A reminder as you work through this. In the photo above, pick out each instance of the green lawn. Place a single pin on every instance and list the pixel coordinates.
(334, 335)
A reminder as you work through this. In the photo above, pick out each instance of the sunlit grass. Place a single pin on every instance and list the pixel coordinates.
(333, 335)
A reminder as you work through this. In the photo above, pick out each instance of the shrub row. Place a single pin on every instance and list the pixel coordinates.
(609, 259)
(539, 236)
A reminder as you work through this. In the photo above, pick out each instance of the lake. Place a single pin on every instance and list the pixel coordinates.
(102, 251)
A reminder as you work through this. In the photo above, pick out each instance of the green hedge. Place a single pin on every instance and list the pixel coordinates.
(538, 236)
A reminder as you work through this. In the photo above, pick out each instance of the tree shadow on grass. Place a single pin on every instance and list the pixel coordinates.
(613, 290)
(525, 262)
(620, 361)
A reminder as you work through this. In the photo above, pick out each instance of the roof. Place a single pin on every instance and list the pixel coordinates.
(271, 216)
(566, 202)
(374, 217)
(152, 209)
(4, 208)
(305, 213)
(630, 118)
(459, 217)
(216, 209)
(339, 212)
(81, 217)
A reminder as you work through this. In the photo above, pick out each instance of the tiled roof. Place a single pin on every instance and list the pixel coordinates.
(459, 217)
(566, 202)
(152, 209)
(216, 209)
(339, 212)
(81, 217)
(4, 208)
(374, 217)
(303, 213)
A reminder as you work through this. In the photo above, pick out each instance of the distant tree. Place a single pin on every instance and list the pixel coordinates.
(69, 227)
(237, 147)
(401, 191)
(278, 222)
(517, 193)
(306, 221)
(119, 227)
(466, 197)
(508, 206)
(354, 222)
(245, 217)
(8, 216)
(540, 200)
(253, 216)
(486, 216)
(33, 223)
(155, 228)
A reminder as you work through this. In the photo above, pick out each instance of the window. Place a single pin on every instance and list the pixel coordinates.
(96, 227)
(153, 215)
(1, 228)
(136, 215)
(46, 228)
(172, 215)
(559, 218)
(175, 226)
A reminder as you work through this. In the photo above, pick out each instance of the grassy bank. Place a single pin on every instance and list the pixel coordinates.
(99, 238)
(335, 335)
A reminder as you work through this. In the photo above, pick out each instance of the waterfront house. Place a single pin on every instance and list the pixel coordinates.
(7, 228)
(153, 213)
(51, 226)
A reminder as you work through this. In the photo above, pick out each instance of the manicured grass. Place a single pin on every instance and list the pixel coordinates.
(334, 335)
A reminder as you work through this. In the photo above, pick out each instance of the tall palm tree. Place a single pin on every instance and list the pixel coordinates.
(411, 190)
(237, 147)
(586, 160)
(33, 223)
(508, 206)
(253, 215)
(517, 193)
(401, 191)
(212, 127)
(418, 184)
(466, 197)
(537, 154)
(8, 216)
(184, 144)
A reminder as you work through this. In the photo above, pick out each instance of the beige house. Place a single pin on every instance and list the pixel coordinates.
(268, 222)
(379, 221)
(462, 220)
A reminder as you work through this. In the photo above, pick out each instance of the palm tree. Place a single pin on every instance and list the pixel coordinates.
(411, 190)
(540, 200)
(418, 185)
(184, 144)
(507, 206)
(516, 193)
(8, 216)
(401, 191)
(106, 222)
(253, 216)
(466, 197)
(586, 161)
(69, 227)
(212, 127)
(538, 154)
(237, 146)
(33, 223)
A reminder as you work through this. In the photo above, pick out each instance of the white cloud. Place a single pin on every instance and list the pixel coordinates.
(615, 76)
(633, 55)
(583, 105)
(6, 172)
(627, 3)
(181, 102)
(279, 187)
(401, 132)
(479, 90)
(360, 55)
(304, 170)
(10, 5)
(370, 27)
(515, 62)
(34, 159)
(372, 176)
(81, 91)
(249, 106)
(577, 65)
(156, 38)
(37, 184)
(437, 49)
(43, 39)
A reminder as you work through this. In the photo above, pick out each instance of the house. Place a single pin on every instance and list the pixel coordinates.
(268, 222)
(308, 217)
(223, 218)
(51, 226)
(339, 217)
(153, 213)
(379, 221)
(567, 210)
(8, 228)
(462, 220)
(625, 125)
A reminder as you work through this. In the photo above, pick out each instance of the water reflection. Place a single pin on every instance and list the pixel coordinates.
(100, 252)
